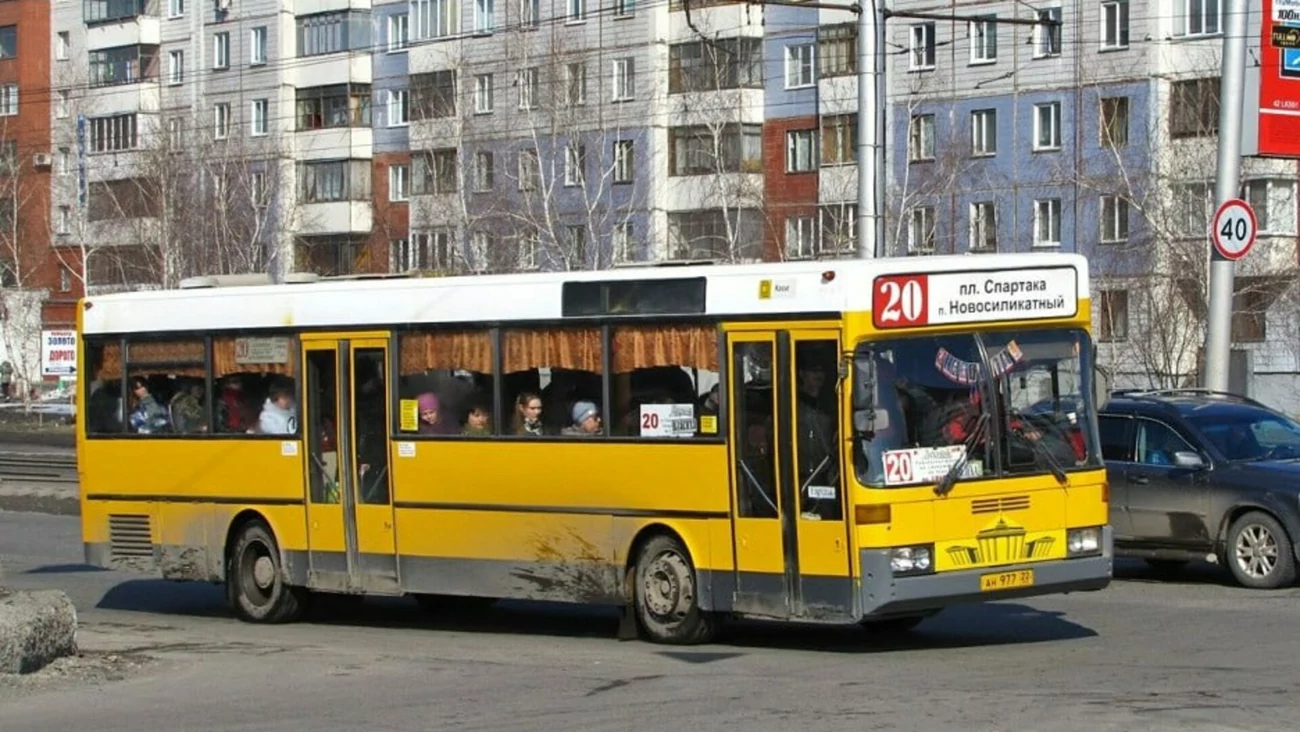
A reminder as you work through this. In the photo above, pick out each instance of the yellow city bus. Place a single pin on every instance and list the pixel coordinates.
(860, 441)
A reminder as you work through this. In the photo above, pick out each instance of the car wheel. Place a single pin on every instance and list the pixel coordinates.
(667, 595)
(255, 580)
(1259, 552)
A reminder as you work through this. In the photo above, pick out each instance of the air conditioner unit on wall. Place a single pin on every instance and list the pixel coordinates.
(42, 160)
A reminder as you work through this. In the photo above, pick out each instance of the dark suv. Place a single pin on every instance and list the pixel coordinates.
(1196, 474)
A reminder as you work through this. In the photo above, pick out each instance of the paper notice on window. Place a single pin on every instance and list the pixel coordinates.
(926, 464)
(667, 420)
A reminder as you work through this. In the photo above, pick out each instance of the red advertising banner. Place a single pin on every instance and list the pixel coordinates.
(1279, 79)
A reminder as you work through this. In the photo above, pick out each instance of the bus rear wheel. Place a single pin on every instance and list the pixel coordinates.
(255, 579)
(667, 595)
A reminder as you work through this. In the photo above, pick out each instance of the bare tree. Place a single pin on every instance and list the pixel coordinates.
(23, 240)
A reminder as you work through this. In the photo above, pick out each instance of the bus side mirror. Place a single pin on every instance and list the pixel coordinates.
(1101, 386)
(864, 386)
(870, 420)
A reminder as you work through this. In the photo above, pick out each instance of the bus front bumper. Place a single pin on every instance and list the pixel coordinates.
(883, 594)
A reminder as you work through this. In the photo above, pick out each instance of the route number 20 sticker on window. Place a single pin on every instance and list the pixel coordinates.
(926, 464)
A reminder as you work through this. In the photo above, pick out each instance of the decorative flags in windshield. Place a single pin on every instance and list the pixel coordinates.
(967, 373)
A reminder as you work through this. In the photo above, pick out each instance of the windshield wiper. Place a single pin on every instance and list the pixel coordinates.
(949, 479)
(1057, 471)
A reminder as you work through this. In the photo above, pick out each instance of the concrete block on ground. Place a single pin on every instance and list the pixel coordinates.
(36, 628)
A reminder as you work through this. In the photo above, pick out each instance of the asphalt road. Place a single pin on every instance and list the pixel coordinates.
(1191, 653)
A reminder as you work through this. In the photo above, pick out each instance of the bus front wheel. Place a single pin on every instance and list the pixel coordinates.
(255, 579)
(667, 595)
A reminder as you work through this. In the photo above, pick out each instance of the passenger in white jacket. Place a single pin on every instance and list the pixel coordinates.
(279, 413)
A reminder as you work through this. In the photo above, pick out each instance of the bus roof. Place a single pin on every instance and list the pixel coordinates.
(778, 289)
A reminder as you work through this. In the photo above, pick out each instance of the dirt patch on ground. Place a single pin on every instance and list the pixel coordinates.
(87, 667)
(15, 419)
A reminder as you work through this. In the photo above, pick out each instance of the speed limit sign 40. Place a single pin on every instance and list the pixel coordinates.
(1234, 228)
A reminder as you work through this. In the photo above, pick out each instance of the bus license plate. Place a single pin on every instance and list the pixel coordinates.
(1006, 580)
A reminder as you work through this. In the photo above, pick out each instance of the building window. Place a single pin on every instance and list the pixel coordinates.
(64, 223)
(399, 32)
(483, 95)
(1197, 17)
(484, 171)
(175, 133)
(176, 67)
(528, 170)
(399, 183)
(101, 11)
(1114, 219)
(1251, 299)
(799, 151)
(62, 104)
(622, 242)
(529, 13)
(221, 120)
(65, 161)
(575, 164)
(1194, 107)
(839, 227)
(527, 81)
(221, 51)
(840, 139)
(983, 40)
(1274, 203)
(436, 172)
(175, 8)
(575, 84)
(1114, 24)
(324, 181)
(1047, 222)
(623, 161)
(259, 113)
(837, 50)
(920, 230)
(113, 134)
(1047, 126)
(1114, 122)
(922, 47)
(399, 107)
(983, 227)
(730, 63)
(732, 234)
(704, 150)
(624, 8)
(624, 79)
(9, 41)
(335, 32)
(424, 251)
(800, 237)
(435, 18)
(61, 43)
(123, 65)
(1112, 313)
(984, 132)
(920, 138)
(577, 11)
(257, 46)
(800, 65)
(65, 280)
(338, 105)
(485, 16)
(1047, 34)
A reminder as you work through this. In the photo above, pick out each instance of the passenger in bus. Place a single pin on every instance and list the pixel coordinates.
(528, 414)
(431, 416)
(279, 414)
(478, 420)
(187, 409)
(586, 420)
(233, 412)
(149, 417)
(816, 436)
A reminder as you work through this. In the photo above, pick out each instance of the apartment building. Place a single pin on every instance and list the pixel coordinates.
(1095, 133)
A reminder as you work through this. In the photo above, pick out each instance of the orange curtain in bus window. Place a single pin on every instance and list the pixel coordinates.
(577, 349)
(110, 362)
(446, 350)
(670, 345)
(253, 355)
(176, 358)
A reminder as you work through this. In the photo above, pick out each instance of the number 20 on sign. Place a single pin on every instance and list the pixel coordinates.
(901, 301)
(1234, 228)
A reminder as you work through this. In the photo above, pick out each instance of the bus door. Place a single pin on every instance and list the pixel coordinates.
(352, 544)
(789, 519)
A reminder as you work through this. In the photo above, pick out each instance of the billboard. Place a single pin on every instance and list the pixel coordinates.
(1278, 86)
(59, 353)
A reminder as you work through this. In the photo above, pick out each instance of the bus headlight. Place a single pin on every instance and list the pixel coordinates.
(1083, 541)
(911, 559)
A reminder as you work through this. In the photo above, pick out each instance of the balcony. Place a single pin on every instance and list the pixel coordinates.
(351, 67)
(334, 197)
(114, 23)
(334, 217)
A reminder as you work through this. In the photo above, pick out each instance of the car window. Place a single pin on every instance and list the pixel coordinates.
(1157, 443)
(1116, 439)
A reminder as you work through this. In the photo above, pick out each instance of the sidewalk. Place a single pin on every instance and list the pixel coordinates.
(60, 499)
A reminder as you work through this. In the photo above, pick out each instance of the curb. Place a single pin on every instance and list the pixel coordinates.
(36, 628)
(54, 505)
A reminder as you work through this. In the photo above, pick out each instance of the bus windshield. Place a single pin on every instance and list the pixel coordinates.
(1009, 403)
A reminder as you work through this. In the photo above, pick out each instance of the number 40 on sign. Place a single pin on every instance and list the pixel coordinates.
(1233, 229)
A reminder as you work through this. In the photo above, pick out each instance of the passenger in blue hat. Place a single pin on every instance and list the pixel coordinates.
(586, 420)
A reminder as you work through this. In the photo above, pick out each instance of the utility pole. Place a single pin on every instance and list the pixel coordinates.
(872, 98)
(1218, 332)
